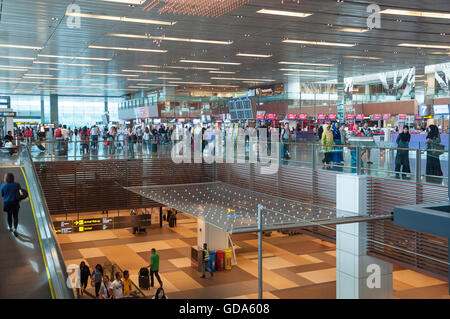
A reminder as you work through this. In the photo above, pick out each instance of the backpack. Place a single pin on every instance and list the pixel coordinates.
(58, 133)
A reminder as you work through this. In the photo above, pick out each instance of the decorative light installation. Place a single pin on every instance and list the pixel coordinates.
(210, 8)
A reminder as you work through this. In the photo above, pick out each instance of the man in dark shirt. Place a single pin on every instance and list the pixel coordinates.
(9, 137)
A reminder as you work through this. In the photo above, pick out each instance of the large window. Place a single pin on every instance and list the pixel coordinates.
(85, 111)
(29, 106)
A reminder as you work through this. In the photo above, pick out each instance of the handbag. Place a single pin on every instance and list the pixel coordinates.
(438, 149)
(23, 194)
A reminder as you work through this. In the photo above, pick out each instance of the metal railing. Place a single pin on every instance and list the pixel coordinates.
(381, 163)
(55, 265)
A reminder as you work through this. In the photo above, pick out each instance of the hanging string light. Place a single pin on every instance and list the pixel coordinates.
(209, 8)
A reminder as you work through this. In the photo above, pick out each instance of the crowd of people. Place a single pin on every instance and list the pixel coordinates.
(122, 286)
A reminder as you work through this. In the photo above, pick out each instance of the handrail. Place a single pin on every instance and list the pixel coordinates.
(56, 267)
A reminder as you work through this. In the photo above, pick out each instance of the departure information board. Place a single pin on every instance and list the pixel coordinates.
(240, 109)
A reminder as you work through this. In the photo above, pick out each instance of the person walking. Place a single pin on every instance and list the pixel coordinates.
(337, 156)
(154, 268)
(205, 261)
(285, 141)
(117, 287)
(127, 284)
(146, 138)
(85, 273)
(84, 139)
(368, 133)
(433, 163)
(106, 289)
(402, 157)
(96, 278)
(327, 144)
(12, 194)
(94, 136)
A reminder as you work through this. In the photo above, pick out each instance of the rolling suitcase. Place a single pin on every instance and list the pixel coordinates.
(144, 280)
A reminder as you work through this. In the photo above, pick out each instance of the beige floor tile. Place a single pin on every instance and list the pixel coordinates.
(183, 231)
(269, 277)
(311, 259)
(181, 262)
(331, 253)
(275, 263)
(123, 233)
(64, 239)
(400, 285)
(93, 235)
(167, 284)
(91, 252)
(320, 276)
(415, 279)
(181, 280)
(147, 246)
(323, 242)
(254, 255)
(176, 243)
(125, 257)
(266, 295)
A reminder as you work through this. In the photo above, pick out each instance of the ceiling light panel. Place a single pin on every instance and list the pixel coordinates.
(437, 15)
(116, 18)
(251, 55)
(126, 49)
(164, 38)
(304, 70)
(210, 62)
(147, 71)
(73, 57)
(321, 43)
(306, 63)
(284, 13)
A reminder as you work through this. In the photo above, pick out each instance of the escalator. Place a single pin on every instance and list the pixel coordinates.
(32, 263)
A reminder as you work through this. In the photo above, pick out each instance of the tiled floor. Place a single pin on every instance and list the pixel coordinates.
(293, 266)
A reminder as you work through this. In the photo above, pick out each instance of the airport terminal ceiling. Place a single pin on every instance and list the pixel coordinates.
(43, 48)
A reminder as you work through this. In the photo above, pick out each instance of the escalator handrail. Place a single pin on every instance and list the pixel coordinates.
(58, 275)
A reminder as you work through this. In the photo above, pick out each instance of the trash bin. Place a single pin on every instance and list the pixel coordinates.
(228, 257)
(212, 261)
(220, 256)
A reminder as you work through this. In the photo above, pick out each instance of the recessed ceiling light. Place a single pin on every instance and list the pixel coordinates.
(73, 57)
(147, 71)
(285, 13)
(126, 49)
(361, 57)
(150, 66)
(254, 55)
(427, 46)
(242, 79)
(179, 82)
(141, 80)
(13, 81)
(221, 85)
(63, 63)
(306, 63)
(422, 14)
(164, 38)
(112, 74)
(321, 43)
(222, 72)
(115, 18)
(304, 70)
(16, 57)
(306, 75)
(210, 62)
(20, 46)
(355, 30)
(163, 78)
(191, 68)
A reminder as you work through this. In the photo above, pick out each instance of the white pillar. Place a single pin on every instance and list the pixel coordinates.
(216, 238)
(358, 276)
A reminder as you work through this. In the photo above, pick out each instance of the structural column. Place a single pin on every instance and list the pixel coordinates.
(340, 92)
(42, 109)
(358, 276)
(54, 109)
(215, 238)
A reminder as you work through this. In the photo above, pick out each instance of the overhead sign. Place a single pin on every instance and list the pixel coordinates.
(321, 116)
(441, 109)
(8, 114)
(303, 116)
(359, 117)
(386, 116)
(377, 117)
(402, 116)
(271, 116)
(350, 116)
(260, 116)
(418, 117)
(332, 116)
(292, 116)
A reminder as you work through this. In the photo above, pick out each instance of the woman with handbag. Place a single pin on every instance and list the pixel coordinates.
(85, 273)
(433, 162)
(12, 194)
(402, 157)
